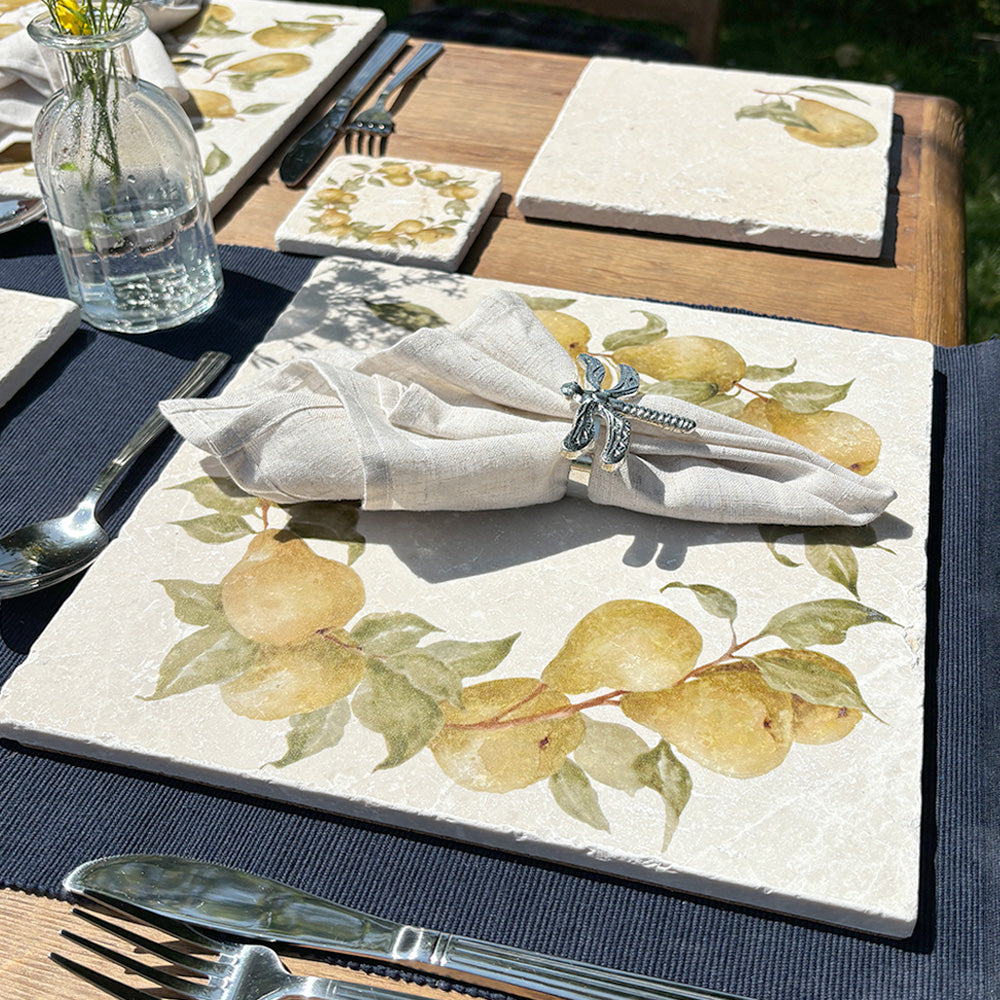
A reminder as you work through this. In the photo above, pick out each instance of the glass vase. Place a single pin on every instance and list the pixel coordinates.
(121, 177)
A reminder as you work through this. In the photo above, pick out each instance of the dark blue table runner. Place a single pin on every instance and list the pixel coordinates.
(56, 812)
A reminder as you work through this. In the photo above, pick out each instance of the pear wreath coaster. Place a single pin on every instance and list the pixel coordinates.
(483, 415)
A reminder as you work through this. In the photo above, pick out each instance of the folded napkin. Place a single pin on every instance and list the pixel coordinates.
(473, 417)
(27, 79)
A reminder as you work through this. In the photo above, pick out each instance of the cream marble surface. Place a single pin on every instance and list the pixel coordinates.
(704, 152)
(830, 834)
(383, 208)
(32, 328)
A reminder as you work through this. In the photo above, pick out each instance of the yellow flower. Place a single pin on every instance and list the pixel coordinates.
(72, 19)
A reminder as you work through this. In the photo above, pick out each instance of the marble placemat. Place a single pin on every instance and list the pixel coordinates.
(776, 161)
(32, 328)
(253, 70)
(456, 692)
(383, 208)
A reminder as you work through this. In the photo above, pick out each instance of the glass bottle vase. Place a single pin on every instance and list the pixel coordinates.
(124, 192)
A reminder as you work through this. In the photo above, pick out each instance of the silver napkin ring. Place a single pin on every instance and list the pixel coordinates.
(597, 404)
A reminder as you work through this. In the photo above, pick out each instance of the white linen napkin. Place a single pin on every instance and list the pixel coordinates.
(27, 79)
(473, 418)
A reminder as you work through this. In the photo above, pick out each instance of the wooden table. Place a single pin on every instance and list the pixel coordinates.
(492, 108)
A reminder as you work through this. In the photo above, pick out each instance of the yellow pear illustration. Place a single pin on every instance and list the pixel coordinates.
(818, 724)
(626, 644)
(289, 680)
(211, 104)
(274, 64)
(841, 437)
(573, 334)
(282, 593)
(508, 734)
(730, 722)
(699, 359)
(291, 34)
(835, 128)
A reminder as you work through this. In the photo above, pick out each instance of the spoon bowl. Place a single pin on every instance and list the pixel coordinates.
(46, 552)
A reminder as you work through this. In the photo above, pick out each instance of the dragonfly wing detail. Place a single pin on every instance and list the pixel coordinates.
(593, 370)
(616, 446)
(584, 428)
(627, 384)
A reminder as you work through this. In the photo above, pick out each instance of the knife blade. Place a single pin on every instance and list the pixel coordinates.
(308, 149)
(259, 908)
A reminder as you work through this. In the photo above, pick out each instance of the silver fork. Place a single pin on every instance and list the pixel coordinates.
(236, 972)
(376, 122)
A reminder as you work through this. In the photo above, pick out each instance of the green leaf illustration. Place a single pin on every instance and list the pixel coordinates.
(655, 328)
(661, 771)
(470, 659)
(216, 160)
(217, 60)
(757, 373)
(543, 303)
(778, 112)
(772, 534)
(714, 600)
(608, 753)
(809, 397)
(809, 678)
(332, 521)
(428, 674)
(384, 633)
(194, 603)
(215, 529)
(575, 795)
(210, 656)
(259, 109)
(214, 28)
(729, 406)
(682, 388)
(406, 718)
(828, 90)
(821, 623)
(407, 315)
(835, 562)
(221, 494)
(314, 731)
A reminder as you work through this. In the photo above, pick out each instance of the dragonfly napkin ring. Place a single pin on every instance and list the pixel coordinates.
(611, 406)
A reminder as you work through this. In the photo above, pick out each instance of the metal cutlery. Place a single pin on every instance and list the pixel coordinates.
(251, 906)
(311, 146)
(43, 553)
(218, 971)
(377, 122)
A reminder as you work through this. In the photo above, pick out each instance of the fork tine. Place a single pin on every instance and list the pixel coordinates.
(193, 991)
(102, 982)
(158, 948)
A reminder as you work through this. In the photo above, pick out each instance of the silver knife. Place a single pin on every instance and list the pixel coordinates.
(309, 148)
(251, 906)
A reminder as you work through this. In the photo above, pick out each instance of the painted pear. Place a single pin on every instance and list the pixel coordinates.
(626, 644)
(834, 128)
(281, 593)
(729, 721)
(697, 359)
(287, 680)
(485, 745)
(273, 64)
(840, 437)
(291, 34)
(819, 724)
(573, 334)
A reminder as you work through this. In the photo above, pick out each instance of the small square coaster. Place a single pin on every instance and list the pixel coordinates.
(403, 211)
(32, 328)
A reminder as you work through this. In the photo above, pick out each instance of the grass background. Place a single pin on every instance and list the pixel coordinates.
(944, 47)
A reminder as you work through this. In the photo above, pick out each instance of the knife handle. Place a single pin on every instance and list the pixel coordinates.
(311, 145)
(426, 52)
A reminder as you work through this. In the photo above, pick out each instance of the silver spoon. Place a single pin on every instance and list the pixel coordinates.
(41, 554)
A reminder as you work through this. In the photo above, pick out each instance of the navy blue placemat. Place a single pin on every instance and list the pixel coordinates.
(57, 812)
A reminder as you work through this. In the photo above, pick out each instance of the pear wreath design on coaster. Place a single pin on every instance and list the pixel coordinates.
(611, 405)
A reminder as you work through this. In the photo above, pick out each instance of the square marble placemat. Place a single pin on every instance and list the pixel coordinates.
(777, 161)
(144, 665)
(403, 211)
(32, 328)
